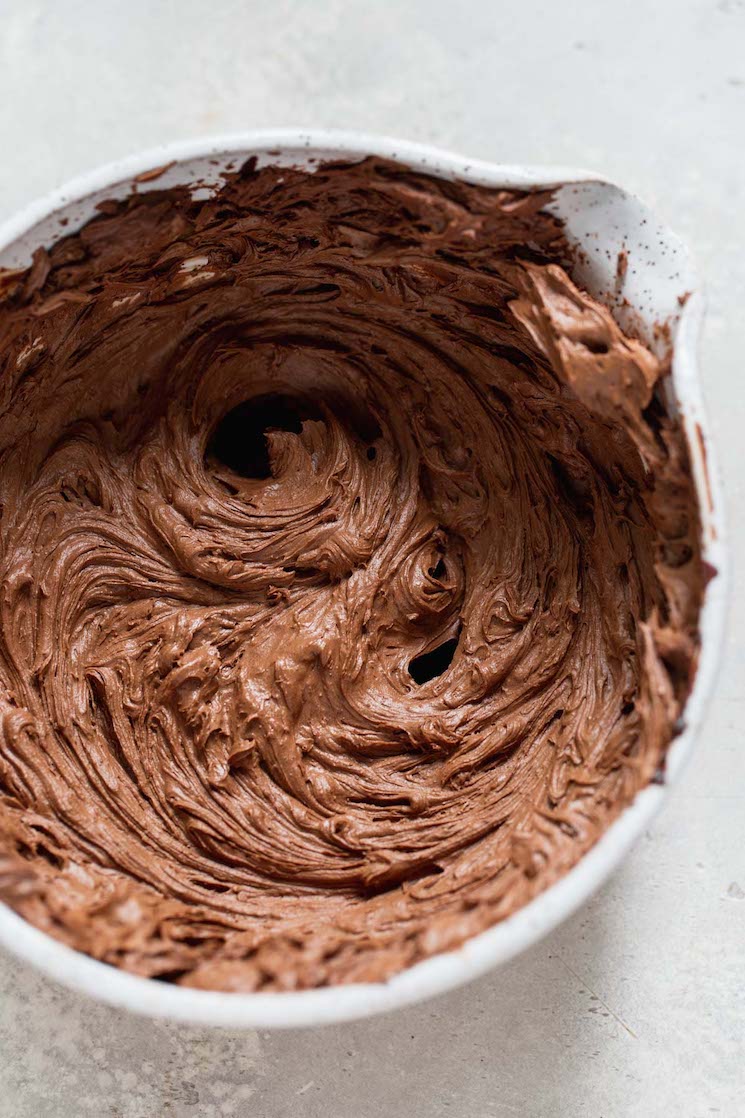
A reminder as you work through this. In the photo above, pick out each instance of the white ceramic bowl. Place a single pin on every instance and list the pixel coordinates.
(660, 286)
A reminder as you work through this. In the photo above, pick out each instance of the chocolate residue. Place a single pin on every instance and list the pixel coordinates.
(622, 267)
(154, 172)
(705, 464)
(349, 575)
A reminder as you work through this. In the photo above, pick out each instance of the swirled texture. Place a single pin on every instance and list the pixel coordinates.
(349, 574)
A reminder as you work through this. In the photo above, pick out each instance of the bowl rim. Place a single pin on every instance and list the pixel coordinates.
(504, 940)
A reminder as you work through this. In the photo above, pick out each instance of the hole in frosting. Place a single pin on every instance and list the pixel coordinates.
(574, 489)
(240, 438)
(594, 345)
(171, 976)
(432, 664)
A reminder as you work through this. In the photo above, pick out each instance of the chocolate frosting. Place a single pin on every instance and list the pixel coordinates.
(349, 574)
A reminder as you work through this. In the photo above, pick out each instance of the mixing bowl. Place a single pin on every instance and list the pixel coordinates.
(627, 259)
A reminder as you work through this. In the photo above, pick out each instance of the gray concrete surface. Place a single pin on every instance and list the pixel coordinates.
(637, 1005)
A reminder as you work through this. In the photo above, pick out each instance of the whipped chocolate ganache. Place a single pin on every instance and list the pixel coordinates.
(349, 574)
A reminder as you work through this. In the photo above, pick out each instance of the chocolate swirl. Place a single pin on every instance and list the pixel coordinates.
(349, 574)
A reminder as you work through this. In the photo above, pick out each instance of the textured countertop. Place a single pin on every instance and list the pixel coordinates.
(636, 1006)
